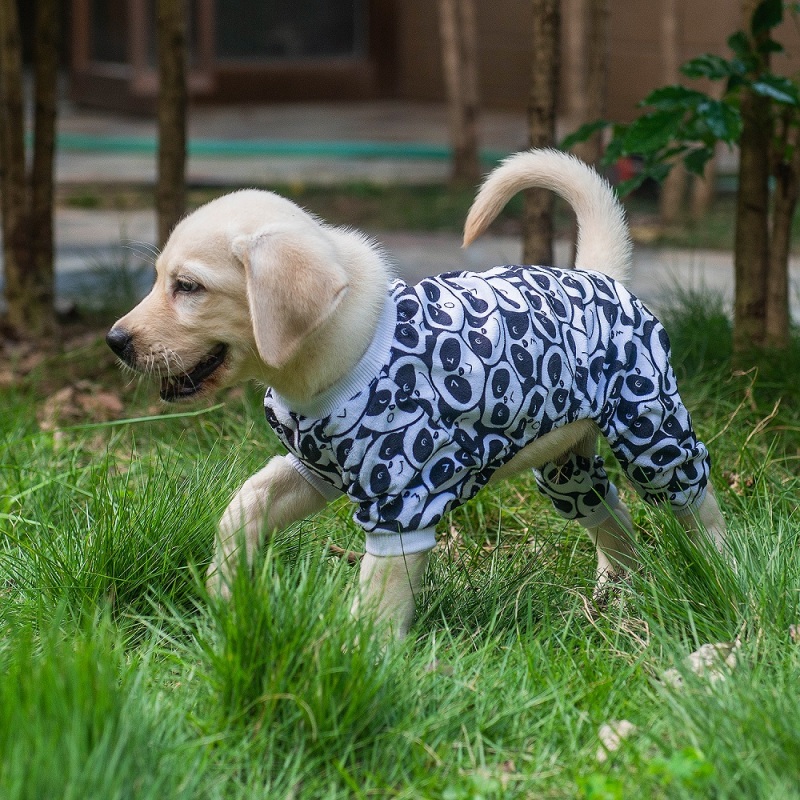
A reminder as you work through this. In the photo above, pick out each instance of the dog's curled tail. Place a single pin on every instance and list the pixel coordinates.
(604, 241)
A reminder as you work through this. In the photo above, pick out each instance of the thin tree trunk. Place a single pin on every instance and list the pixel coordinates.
(44, 146)
(575, 65)
(469, 69)
(751, 256)
(673, 188)
(172, 104)
(597, 56)
(703, 191)
(539, 205)
(459, 60)
(586, 75)
(751, 248)
(15, 207)
(586, 70)
(673, 192)
(787, 180)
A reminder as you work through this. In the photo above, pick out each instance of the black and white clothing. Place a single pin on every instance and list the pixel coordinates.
(466, 369)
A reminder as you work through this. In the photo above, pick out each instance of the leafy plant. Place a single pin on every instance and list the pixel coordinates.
(687, 124)
(760, 111)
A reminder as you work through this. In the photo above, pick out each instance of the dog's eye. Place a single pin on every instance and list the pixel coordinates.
(186, 285)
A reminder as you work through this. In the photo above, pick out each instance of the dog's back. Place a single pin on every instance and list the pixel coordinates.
(604, 242)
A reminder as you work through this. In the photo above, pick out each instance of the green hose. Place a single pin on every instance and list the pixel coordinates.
(236, 148)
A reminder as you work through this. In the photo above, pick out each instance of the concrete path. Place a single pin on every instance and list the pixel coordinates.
(93, 243)
(236, 145)
(233, 146)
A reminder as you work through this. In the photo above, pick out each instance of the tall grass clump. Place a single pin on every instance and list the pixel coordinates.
(104, 535)
(699, 328)
(76, 720)
(284, 654)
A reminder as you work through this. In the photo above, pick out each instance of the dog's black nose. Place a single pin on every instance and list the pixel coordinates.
(120, 341)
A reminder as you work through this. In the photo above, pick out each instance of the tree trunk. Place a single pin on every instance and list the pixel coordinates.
(751, 256)
(597, 56)
(539, 203)
(172, 103)
(673, 192)
(673, 188)
(586, 76)
(12, 162)
(575, 67)
(28, 209)
(787, 180)
(44, 146)
(458, 33)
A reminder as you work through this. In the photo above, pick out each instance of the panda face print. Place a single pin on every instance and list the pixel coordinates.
(480, 366)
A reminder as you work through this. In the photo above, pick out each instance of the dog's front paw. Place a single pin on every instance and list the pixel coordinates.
(217, 585)
(609, 592)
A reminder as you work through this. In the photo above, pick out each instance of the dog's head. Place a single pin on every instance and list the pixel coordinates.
(240, 286)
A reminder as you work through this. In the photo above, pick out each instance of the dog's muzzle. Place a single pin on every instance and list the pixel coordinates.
(121, 342)
(184, 385)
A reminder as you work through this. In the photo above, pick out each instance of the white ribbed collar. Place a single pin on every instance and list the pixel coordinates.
(369, 366)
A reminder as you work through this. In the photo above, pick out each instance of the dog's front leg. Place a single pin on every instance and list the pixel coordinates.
(709, 518)
(388, 586)
(268, 501)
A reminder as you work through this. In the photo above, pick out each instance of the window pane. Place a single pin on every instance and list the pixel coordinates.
(274, 29)
(109, 22)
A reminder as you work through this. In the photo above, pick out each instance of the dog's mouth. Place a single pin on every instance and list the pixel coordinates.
(181, 387)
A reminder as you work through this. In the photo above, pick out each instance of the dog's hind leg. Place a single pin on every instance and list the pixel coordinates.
(707, 517)
(268, 501)
(580, 490)
(613, 538)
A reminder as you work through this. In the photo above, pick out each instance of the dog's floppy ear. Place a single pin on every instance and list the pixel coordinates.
(294, 284)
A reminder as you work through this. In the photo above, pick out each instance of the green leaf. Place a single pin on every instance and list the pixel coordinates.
(651, 132)
(586, 131)
(722, 120)
(671, 152)
(669, 98)
(742, 46)
(615, 149)
(709, 66)
(770, 46)
(658, 172)
(782, 90)
(696, 160)
(624, 188)
(767, 15)
(735, 82)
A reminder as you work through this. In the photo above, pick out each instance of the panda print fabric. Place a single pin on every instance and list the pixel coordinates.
(465, 370)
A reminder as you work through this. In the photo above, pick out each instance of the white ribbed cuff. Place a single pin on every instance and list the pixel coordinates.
(400, 544)
(602, 511)
(323, 487)
(694, 507)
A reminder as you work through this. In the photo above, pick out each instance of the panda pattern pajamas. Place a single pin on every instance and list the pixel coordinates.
(465, 370)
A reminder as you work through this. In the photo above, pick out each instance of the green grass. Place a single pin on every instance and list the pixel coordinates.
(120, 678)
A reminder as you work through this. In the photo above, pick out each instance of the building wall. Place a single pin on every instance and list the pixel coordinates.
(403, 57)
(504, 51)
(635, 64)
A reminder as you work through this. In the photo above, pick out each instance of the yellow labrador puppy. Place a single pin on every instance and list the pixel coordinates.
(409, 399)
